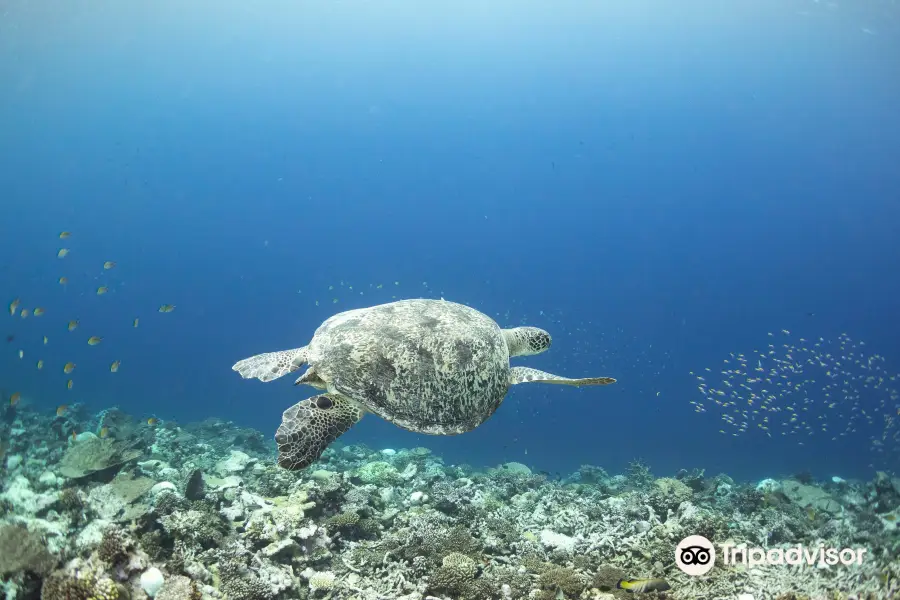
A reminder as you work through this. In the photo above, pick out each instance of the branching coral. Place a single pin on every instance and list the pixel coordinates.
(455, 575)
(113, 546)
(84, 585)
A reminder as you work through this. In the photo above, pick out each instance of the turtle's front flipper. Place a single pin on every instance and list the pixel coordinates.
(526, 375)
(271, 365)
(309, 426)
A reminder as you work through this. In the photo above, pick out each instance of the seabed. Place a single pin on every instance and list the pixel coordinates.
(105, 507)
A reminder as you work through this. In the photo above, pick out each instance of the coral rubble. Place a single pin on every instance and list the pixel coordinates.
(202, 511)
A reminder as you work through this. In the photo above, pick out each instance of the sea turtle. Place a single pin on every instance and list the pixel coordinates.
(429, 366)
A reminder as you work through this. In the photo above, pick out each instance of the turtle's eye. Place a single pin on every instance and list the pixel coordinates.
(324, 402)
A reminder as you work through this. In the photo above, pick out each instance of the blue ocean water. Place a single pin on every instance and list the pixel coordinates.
(657, 184)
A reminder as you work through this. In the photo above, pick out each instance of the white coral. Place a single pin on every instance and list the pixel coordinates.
(557, 540)
(321, 580)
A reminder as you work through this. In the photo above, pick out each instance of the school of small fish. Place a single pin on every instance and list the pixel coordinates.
(798, 387)
(86, 364)
(16, 309)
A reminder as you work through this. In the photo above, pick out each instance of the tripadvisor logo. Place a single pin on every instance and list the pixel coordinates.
(696, 555)
(799, 554)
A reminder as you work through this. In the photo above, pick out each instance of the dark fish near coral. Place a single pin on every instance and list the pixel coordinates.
(643, 585)
(195, 488)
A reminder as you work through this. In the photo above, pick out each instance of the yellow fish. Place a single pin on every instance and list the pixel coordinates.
(21, 354)
(14, 399)
(102, 290)
(135, 322)
(114, 367)
(25, 312)
(70, 366)
(166, 308)
(61, 409)
(63, 280)
(45, 340)
(40, 364)
(64, 234)
(69, 384)
(643, 585)
(109, 265)
(13, 306)
(38, 311)
(104, 431)
(152, 421)
(73, 325)
(62, 253)
(94, 340)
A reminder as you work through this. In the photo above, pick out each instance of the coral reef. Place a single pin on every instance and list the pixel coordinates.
(202, 512)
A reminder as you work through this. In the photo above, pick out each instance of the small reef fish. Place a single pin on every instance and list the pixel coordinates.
(104, 432)
(65, 234)
(45, 340)
(62, 253)
(14, 399)
(38, 312)
(166, 308)
(114, 367)
(40, 364)
(109, 265)
(94, 340)
(21, 354)
(73, 324)
(70, 366)
(10, 338)
(102, 290)
(61, 409)
(136, 321)
(69, 384)
(152, 421)
(643, 585)
(74, 435)
(63, 280)
(25, 312)
(13, 306)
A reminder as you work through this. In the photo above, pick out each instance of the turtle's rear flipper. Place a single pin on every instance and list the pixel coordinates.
(271, 365)
(309, 426)
(527, 375)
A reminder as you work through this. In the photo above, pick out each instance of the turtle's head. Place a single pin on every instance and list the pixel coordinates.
(525, 341)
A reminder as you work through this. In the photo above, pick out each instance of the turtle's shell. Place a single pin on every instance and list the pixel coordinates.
(430, 366)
